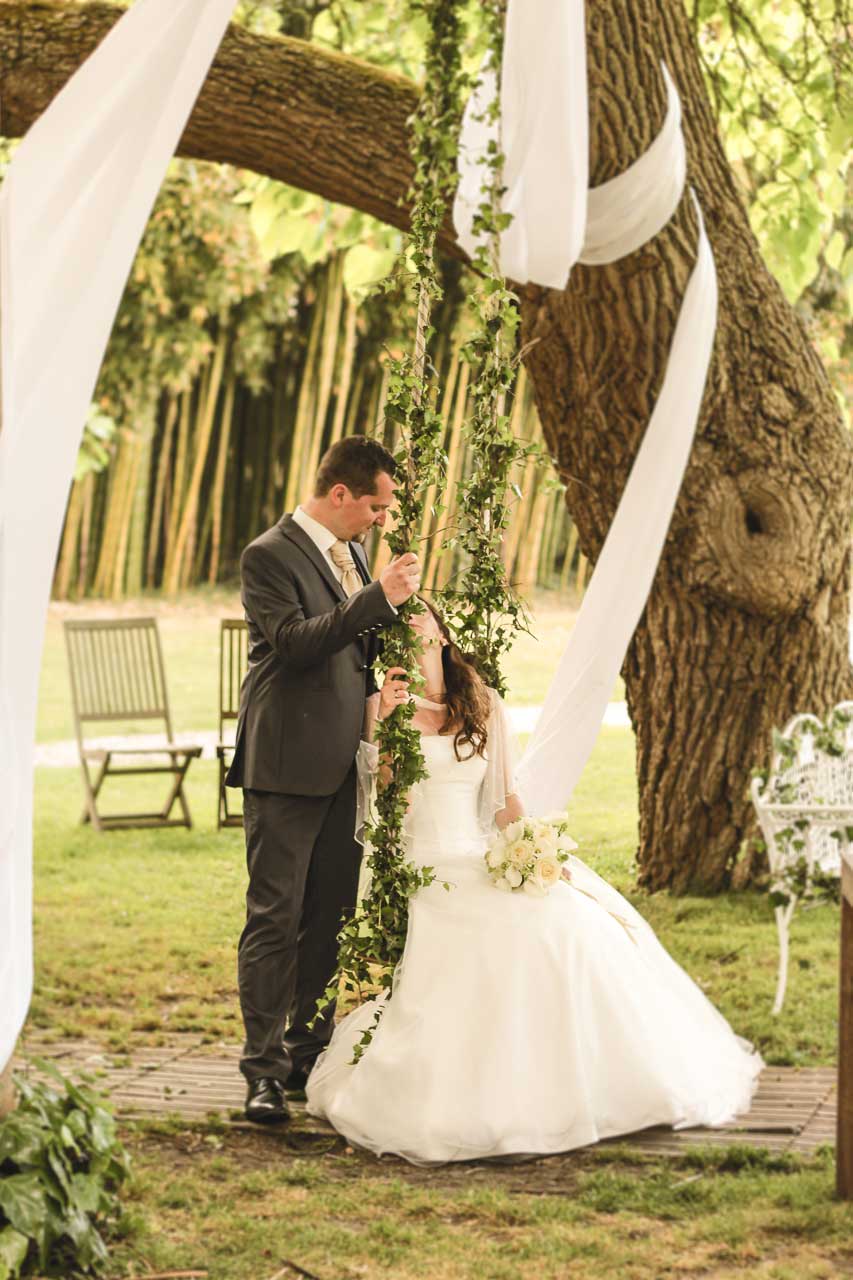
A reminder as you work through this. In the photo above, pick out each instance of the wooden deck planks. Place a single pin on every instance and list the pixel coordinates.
(793, 1110)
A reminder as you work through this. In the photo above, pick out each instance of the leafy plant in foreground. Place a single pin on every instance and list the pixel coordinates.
(61, 1166)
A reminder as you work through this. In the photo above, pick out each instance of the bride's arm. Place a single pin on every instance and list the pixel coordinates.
(513, 809)
(501, 796)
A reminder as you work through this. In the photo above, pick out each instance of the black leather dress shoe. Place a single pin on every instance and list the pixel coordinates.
(298, 1078)
(265, 1102)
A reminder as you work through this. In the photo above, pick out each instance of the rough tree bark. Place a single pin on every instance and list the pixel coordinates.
(747, 620)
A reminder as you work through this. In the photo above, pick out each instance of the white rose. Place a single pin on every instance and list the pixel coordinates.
(494, 857)
(513, 877)
(513, 831)
(503, 884)
(517, 854)
(548, 872)
(534, 889)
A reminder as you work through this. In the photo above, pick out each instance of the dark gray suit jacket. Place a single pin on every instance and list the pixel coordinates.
(310, 665)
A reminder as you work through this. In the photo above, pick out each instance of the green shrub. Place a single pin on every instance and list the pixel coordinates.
(61, 1166)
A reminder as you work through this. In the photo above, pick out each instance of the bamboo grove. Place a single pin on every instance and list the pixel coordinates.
(226, 377)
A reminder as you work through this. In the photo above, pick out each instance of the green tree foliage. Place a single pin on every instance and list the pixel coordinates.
(781, 76)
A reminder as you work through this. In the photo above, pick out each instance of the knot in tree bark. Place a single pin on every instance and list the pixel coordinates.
(757, 544)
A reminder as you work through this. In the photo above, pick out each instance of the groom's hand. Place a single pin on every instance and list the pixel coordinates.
(401, 578)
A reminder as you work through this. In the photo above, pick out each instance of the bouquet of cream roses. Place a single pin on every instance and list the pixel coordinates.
(529, 855)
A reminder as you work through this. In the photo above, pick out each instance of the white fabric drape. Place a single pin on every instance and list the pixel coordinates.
(574, 707)
(556, 224)
(544, 134)
(73, 208)
(625, 212)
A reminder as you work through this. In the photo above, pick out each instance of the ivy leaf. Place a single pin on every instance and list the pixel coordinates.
(24, 1202)
(86, 1192)
(13, 1251)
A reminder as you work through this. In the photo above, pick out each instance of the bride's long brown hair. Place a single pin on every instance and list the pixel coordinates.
(468, 703)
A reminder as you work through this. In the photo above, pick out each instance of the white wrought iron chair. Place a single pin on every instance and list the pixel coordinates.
(805, 810)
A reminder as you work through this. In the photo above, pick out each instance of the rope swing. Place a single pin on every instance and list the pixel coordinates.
(481, 609)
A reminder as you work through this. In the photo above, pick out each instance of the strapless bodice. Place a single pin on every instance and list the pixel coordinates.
(442, 820)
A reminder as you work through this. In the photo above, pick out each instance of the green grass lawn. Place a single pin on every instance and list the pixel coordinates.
(136, 938)
(136, 931)
(189, 631)
(255, 1207)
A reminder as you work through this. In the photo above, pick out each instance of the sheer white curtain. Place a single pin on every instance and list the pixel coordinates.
(557, 222)
(73, 208)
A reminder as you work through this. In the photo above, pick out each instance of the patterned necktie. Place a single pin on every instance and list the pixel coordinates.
(342, 557)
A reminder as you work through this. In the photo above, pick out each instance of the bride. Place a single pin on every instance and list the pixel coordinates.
(518, 1024)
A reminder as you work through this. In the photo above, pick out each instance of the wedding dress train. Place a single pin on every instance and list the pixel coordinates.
(523, 1025)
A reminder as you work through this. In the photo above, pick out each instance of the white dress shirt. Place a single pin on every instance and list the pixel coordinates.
(322, 538)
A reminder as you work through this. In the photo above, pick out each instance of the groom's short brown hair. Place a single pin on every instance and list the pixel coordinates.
(355, 462)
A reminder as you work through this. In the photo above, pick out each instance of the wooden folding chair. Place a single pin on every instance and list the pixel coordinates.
(233, 663)
(117, 674)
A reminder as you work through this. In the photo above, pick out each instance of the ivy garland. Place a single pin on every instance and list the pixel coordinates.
(483, 611)
(796, 881)
(372, 941)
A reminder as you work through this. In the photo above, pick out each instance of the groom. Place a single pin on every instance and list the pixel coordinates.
(313, 616)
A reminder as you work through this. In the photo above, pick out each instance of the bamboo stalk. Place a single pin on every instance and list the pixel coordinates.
(304, 407)
(70, 541)
(428, 521)
(218, 494)
(354, 406)
(580, 580)
(233, 491)
(202, 542)
(440, 565)
(531, 544)
(550, 536)
(182, 559)
(382, 396)
(158, 505)
(113, 515)
(521, 415)
(326, 372)
(139, 516)
(86, 533)
(345, 380)
(571, 546)
(177, 492)
(277, 436)
(116, 588)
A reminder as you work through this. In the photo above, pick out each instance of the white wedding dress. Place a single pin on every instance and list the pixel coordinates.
(522, 1025)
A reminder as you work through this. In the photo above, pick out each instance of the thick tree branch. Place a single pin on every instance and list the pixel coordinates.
(309, 117)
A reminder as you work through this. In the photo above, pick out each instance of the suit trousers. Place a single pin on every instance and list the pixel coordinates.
(303, 862)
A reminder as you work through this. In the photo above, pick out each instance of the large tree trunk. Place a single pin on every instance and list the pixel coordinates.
(747, 620)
